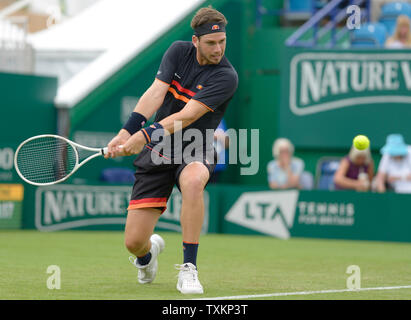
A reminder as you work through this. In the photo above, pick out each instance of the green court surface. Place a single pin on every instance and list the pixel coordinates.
(94, 265)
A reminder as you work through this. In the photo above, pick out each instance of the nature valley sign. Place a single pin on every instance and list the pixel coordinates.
(69, 206)
(326, 81)
(66, 206)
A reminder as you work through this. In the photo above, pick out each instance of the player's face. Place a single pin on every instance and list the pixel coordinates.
(210, 47)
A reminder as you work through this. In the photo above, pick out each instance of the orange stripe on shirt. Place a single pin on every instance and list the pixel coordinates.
(178, 96)
(181, 89)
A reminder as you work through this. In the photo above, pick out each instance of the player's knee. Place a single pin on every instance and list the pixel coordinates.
(194, 178)
(134, 244)
(192, 184)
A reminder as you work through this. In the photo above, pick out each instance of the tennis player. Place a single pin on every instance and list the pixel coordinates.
(193, 87)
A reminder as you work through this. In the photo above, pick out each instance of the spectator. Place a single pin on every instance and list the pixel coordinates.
(402, 34)
(355, 171)
(284, 171)
(394, 169)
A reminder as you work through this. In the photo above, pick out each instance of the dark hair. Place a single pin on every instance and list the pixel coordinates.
(205, 15)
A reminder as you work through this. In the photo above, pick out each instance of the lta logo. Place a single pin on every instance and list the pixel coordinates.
(268, 212)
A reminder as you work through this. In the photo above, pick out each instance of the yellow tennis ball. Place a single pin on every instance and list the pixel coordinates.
(361, 142)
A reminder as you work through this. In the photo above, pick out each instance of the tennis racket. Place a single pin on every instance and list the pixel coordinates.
(49, 159)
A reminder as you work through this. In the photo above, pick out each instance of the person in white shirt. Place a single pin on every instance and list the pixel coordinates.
(395, 166)
(285, 170)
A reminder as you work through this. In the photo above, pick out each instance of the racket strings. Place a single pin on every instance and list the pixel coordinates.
(46, 159)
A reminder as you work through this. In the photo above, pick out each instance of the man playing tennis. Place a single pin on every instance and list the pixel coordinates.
(193, 87)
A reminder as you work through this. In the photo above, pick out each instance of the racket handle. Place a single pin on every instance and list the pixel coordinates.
(104, 150)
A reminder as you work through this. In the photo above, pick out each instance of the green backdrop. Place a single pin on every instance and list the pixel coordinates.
(331, 96)
(26, 109)
(231, 209)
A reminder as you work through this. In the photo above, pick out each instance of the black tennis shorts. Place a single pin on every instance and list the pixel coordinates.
(154, 182)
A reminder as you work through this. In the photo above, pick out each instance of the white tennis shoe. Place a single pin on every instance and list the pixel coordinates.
(188, 282)
(147, 273)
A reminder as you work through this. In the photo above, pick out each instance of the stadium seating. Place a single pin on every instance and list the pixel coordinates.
(307, 181)
(299, 6)
(298, 10)
(370, 35)
(391, 11)
(117, 175)
(326, 167)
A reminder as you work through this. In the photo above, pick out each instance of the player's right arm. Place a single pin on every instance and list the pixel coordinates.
(153, 98)
(147, 105)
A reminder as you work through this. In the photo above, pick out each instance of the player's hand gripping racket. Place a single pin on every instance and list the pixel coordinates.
(49, 159)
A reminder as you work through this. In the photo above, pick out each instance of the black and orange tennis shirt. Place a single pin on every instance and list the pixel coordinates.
(212, 85)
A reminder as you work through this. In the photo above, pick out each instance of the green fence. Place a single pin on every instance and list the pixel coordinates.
(26, 109)
(230, 210)
(318, 214)
(100, 207)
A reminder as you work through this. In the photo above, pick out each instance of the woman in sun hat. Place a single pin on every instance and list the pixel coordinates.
(395, 165)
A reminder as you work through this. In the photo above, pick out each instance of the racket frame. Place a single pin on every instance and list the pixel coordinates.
(74, 145)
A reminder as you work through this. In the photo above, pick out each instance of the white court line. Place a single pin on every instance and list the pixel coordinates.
(301, 293)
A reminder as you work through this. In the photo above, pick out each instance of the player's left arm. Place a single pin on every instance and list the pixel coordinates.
(191, 112)
(207, 100)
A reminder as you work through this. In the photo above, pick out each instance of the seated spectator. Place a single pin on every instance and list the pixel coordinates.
(394, 169)
(355, 171)
(402, 34)
(284, 171)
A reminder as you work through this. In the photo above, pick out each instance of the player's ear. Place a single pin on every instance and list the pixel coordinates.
(194, 39)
